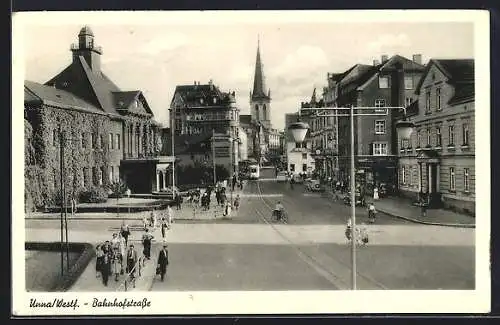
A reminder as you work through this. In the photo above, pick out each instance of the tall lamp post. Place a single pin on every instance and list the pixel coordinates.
(233, 163)
(404, 130)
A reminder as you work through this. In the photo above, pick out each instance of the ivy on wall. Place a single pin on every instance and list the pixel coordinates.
(42, 174)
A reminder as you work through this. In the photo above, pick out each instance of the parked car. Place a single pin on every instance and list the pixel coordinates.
(315, 186)
(282, 176)
(298, 179)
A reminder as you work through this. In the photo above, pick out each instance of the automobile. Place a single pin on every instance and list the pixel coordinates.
(282, 176)
(315, 186)
(298, 179)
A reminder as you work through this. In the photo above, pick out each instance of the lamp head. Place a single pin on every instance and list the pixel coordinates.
(299, 131)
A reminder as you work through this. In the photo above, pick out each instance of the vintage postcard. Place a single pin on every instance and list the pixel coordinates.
(258, 162)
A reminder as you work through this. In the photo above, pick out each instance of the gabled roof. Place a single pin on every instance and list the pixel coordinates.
(202, 95)
(94, 87)
(458, 71)
(408, 65)
(35, 92)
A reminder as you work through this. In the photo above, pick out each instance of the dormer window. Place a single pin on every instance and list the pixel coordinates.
(215, 100)
(201, 100)
(134, 104)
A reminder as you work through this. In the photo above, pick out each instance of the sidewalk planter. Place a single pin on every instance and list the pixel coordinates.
(69, 278)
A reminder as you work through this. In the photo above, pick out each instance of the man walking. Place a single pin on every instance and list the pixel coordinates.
(131, 261)
(163, 261)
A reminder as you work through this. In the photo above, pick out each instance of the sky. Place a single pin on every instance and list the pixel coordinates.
(297, 54)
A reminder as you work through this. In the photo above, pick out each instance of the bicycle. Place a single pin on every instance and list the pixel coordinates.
(280, 216)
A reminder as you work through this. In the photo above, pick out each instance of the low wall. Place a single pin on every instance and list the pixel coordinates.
(86, 251)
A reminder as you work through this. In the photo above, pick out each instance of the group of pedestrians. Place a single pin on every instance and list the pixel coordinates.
(110, 257)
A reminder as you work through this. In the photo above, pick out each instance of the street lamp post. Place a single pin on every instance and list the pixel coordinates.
(213, 156)
(299, 130)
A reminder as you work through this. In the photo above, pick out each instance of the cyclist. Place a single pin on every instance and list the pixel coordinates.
(278, 210)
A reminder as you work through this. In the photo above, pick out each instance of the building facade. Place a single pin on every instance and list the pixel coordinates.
(107, 134)
(199, 114)
(439, 159)
(390, 83)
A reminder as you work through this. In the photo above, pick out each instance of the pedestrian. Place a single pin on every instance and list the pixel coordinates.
(125, 232)
(237, 202)
(131, 261)
(145, 222)
(371, 212)
(375, 193)
(234, 181)
(98, 261)
(178, 201)
(115, 242)
(163, 262)
(106, 268)
(116, 262)
(123, 251)
(146, 242)
(164, 228)
(227, 209)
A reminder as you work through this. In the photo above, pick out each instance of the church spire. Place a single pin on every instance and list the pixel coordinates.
(258, 81)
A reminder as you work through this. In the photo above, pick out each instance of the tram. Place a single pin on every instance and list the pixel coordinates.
(254, 171)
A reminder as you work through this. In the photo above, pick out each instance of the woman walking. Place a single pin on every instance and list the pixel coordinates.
(116, 262)
(146, 242)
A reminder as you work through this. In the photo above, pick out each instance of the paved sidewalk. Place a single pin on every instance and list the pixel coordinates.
(404, 209)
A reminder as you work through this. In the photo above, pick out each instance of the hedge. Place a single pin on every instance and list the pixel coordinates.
(87, 253)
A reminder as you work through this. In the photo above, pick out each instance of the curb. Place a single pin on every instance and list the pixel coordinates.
(457, 225)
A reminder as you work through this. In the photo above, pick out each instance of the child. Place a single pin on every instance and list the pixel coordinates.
(363, 235)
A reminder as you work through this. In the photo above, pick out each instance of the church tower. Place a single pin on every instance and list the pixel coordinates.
(260, 100)
(87, 49)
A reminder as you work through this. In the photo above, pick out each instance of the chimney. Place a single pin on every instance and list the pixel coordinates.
(375, 63)
(210, 83)
(385, 58)
(398, 86)
(417, 58)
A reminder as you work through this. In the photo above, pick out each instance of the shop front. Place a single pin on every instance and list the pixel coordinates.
(376, 171)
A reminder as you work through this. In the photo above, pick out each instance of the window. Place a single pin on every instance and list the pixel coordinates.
(380, 149)
(100, 174)
(379, 103)
(383, 82)
(94, 175)
(101, 141)
(465, 133)
(452, 178)
(438, 136)
(409, 175)
(111, 174)
(380, 127)
(304, 156)
(451, 135)
(438, 99)
(408, 82)
(408, 101)
(82, 139)
(118, 142)
(466, 180)
(292, 167)
(419, 138)
(110, 141)
(298, 145)
(304, 167)
(92, 144)
(55, 138)
(428, 137)
(403, 175)
(428, 101)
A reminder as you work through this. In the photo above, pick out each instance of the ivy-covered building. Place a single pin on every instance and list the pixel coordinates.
(108, 134)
